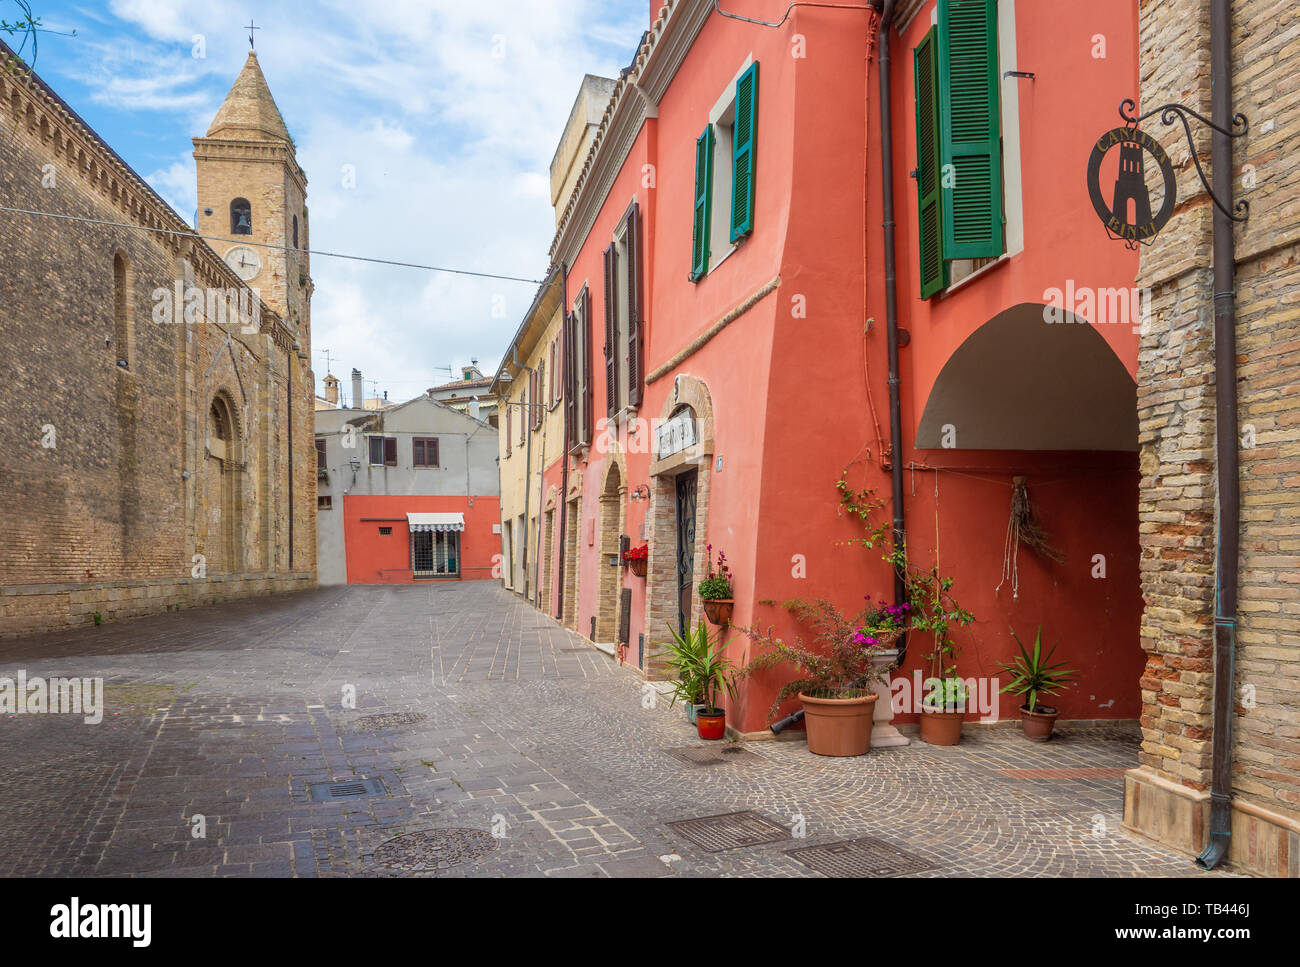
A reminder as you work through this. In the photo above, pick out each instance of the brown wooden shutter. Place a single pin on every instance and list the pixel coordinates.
(570, 386)
(390, 451)
(510, 423)
(431, 452)
(635, 327)
(417, 452)
(588, 417)
(611, 331)
(320, 454)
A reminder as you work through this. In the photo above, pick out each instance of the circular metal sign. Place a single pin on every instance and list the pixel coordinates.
(1130, 192)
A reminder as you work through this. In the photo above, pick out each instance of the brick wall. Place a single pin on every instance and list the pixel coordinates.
(94, 456)
(1166, 796)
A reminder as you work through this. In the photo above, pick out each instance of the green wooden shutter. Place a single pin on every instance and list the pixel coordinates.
(703, 203)
(925, 65)
(970, 123)
(743, 150)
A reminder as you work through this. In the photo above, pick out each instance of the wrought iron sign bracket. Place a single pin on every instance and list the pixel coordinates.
(1168, 112)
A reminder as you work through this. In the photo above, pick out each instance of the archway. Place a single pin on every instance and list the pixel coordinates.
(223, 547)
(611, 527)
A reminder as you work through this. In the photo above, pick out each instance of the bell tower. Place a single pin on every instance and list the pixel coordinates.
(252, 195)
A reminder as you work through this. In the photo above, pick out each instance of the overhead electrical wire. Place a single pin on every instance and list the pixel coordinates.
(285, 248)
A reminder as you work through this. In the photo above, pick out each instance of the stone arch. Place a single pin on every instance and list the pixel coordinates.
(241, 217)
(612, 501)
(1021, 383)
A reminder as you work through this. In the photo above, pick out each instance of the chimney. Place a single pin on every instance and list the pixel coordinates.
(473, 407)
(332, 389)
(358, 397)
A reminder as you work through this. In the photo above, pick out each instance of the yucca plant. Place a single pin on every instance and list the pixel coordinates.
(1035, 674)
(703, 670)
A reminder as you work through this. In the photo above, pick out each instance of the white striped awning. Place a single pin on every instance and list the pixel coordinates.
(435, 522)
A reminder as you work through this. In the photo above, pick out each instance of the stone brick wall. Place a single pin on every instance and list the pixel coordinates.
(106, 472)
(1166, 796)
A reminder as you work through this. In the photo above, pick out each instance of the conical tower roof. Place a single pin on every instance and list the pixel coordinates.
(249, 112)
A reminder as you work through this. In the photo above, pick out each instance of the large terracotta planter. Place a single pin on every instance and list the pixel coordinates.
(941, 728)
(838, 726)
(718, 610)
(1038, 725)
(711, 723)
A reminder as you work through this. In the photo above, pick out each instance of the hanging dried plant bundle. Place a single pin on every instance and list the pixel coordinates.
(1027, 530)
(1023, 529)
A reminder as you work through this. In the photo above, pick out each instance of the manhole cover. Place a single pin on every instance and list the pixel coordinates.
(436, 849)
(712, 755)
(859, 857)
(713, 834)
(384, 721)
(348, 789)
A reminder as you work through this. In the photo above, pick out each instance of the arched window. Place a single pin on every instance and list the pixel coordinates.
(241, 217)
(295, 231)
(123, 334)
(220, 425)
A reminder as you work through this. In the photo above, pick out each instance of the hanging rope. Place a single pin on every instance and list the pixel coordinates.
(1022, 529)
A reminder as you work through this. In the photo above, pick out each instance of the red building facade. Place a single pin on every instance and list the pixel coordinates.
(725, 337)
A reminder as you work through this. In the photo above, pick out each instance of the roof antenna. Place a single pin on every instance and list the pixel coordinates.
(251, 28)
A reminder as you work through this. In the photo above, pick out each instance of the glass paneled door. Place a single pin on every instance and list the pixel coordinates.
(686, 491)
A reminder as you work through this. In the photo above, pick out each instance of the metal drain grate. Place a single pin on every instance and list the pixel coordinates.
(713, 755)
(860, 857)
(350, 789)
(428, 851)
(383, 721)
(713, 834)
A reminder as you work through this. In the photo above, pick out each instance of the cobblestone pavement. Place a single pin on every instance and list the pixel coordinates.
(479, 715)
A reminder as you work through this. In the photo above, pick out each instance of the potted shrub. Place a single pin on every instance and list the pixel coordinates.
(835, 682)
(942, 710)
(715, 676)
(1033, 675)
(716, 591)
(637, 558)
(686, 657)
(930, 608)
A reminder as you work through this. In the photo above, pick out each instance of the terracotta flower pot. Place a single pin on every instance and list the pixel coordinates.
(1038, 725)
(941, 728)
(838, 726)
(711, 723)
(718, 610)
(638, 566)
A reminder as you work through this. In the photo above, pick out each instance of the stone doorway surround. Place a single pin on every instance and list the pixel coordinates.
(661, 572)
(613, 515)
(572, 521)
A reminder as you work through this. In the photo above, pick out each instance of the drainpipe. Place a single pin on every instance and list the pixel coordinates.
(885, 8)
(564, 466)
(288, 405)
(1225, 413)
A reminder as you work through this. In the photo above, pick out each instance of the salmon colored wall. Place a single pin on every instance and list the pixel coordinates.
(789, 393)
(387, 560)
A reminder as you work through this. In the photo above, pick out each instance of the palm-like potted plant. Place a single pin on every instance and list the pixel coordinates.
(835, 682)
(1033, 675)
(716, 591)
(686, 657)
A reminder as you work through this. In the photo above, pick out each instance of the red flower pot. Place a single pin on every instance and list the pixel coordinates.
(711, 723)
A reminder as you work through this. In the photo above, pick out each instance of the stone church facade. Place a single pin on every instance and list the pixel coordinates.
(156, 424)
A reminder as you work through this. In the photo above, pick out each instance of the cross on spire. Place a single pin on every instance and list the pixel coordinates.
(250, 29)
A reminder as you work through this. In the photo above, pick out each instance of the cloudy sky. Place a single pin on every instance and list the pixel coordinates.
(449, 111)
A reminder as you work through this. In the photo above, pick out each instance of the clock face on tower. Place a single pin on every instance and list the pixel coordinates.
(245, 261)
